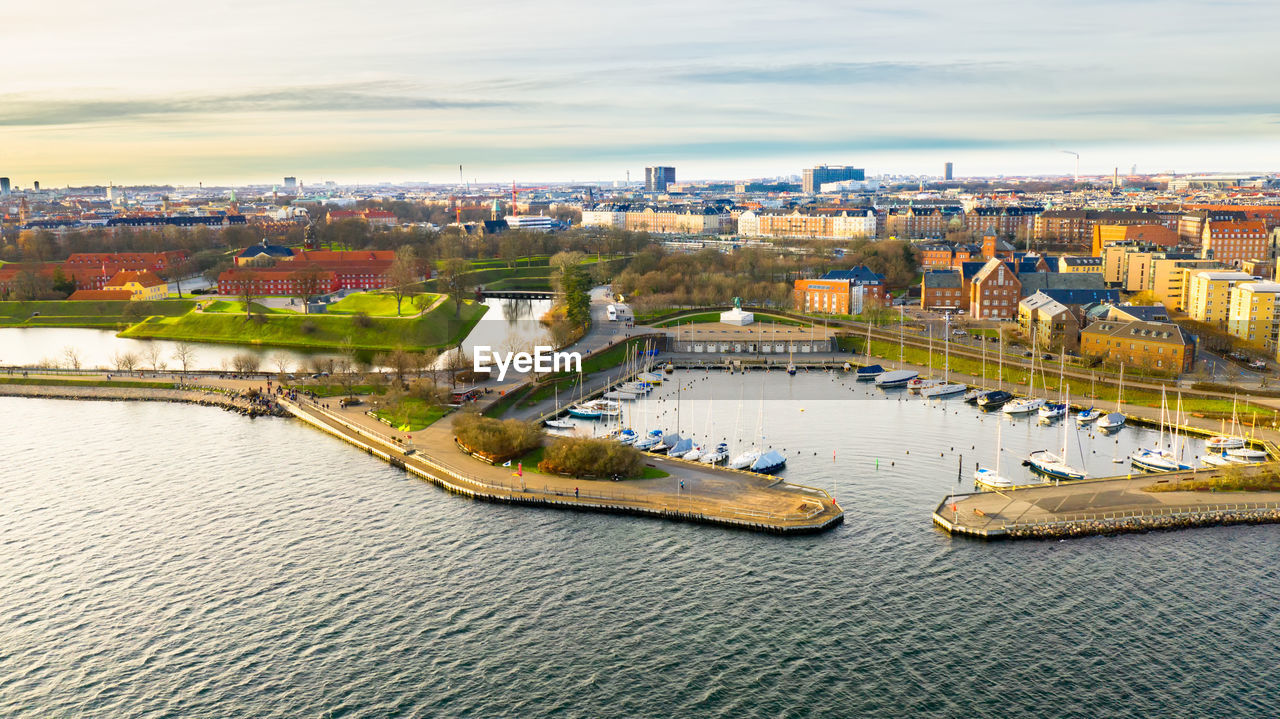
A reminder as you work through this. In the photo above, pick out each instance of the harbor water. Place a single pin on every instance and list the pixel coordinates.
(164, 560)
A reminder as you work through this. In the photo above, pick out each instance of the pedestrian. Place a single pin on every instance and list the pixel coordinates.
(575, 492)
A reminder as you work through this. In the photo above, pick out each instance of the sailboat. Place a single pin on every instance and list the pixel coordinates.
(1115, 420)
(995, 399)
(918, 384)
(1030, 403)
(946, 388)
(1086, 416)
(1225, 440)
(583, 410)
(899, 377)
(1160, 459)
(991, 478)
(748, 458)
(1053, 465)
(1056, 410)
(554, 423)
(869, 371)
(972, 395)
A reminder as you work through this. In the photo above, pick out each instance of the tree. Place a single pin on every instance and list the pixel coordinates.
(246, 362)
(153, 353)
(453, 276)
(308, 282)
(403, 274)
(72, 356)
(248, 290)
(61, 283)
(185, 354)
(125, 361)
(282, 363)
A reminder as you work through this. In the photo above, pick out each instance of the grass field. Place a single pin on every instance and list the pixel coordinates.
(235, 307)
(412, 411)
(132, 384)
(1015, 379)
(93, 313)
(377, 304)
(437, 328)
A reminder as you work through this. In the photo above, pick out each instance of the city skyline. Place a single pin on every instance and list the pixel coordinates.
(410, 93)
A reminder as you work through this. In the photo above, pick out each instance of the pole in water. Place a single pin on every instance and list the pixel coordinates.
(877, 464)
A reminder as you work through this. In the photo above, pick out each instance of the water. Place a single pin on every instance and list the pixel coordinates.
(45, 346)
(166, 560)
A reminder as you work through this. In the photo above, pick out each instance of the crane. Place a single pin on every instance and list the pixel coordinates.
(1077, 156)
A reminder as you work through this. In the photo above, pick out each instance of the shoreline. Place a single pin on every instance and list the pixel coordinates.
(232, 402)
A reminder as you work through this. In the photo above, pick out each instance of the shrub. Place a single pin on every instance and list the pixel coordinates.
(585, 457)
(308, 327)
(361, 319)
(496, 439)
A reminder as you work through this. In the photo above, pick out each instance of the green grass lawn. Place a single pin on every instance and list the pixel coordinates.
(437, 328)
(412, 411)
(132, 384)
(92, 313)
(236, 307)
(1015, 380)
(377, 304)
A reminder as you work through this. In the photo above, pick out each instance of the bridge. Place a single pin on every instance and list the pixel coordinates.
(516, 294)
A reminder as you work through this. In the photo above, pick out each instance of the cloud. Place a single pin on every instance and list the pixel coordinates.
(848, 73)
(29, 110)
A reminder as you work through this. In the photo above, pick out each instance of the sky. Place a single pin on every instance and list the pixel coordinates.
(137, 91)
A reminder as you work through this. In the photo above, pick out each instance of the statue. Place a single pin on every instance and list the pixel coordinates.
(737, 303)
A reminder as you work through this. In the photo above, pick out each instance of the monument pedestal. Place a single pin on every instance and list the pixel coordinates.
(737, 317)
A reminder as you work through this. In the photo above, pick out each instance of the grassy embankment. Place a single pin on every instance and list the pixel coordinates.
(437, 328)
(49, 382)
(102, 314)
(533, 457)
(1228, 479)
(416, 413)
(377, 304)
(1015, 379)
(704, 317)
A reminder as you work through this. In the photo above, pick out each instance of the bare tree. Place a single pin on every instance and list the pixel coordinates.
(185, 354)
(246, 362)
(308, 283)
(72, 356)
(248, 290)
(154, 355)
(282, 363)
(125, 361)
(403, 274)
(453, 277)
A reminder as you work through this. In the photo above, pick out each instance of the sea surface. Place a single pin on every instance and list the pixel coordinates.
(164, 560)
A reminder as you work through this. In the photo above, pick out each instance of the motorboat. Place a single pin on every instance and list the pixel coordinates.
(618, 394)
(1223, 442)
(1110, 421)
(744, 460)
(971, 397)
(896, 378)
(920, 384)
(1051, 465)
(559, 423)
(584, 412)
(628, 436)
(1087, 416)
(1023, 405)
(770, 462)
(717, 455)
(868, 373)
(791, 369)
(943, 390)
(994, 399)
(1052, 410)
(1156, 460)
(1247, 454)
(668, 368)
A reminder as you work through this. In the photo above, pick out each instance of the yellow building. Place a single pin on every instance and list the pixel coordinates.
(1208, 295)
(1162, 346)
(1253, 314)
(141, 285)
(1169, 277)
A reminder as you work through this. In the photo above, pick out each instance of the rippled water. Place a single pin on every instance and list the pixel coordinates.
(177, 561)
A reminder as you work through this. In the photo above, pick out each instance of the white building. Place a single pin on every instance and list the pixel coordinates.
(537, 223)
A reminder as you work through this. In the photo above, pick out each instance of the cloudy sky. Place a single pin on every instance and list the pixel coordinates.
(248, 91)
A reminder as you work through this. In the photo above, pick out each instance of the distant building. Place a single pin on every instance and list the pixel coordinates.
(537, 223)
(142, 285)
(946, 172)
(1050, 320)
(943, 289)
(843, 292)
(1208, 295)
(1254, 314)
(708, 220)
(815, 177)
(827, 225)
(263, 253)
(1076, 226)
(656, 179)
(4, 185)
(1233, 242)
(35, 186)
(1148, 234)
(373, 217)
(290, 183)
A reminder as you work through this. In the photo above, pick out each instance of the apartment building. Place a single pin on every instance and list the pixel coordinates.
(1208, 295)
(1254, 315)
(1076, 226)
(1155, 235)
(1233, 242)
(943, 289)
(818, 225)
(1154, 345)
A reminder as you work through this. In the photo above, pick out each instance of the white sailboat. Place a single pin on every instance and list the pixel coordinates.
(1227, 440)
(1056, 466)
(1159, 459)
(991, 478)
(1056, 410)
(1030, 403)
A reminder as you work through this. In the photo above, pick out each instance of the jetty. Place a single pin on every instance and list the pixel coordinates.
(690, 493)
(1103, 506)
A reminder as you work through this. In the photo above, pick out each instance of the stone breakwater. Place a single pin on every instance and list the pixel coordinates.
(239, 402)
(1126, 525)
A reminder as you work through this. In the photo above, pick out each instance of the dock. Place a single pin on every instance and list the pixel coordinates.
(1112, 505)
(691, 492)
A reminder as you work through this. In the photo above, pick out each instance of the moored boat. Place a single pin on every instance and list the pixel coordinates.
(1086, 416)
(717, 455)
(1023, 405)
(1052, 410)
(943, 390)
(896, 378)
(583, 412)
(994, 399)
(769, 463)
(868, 373)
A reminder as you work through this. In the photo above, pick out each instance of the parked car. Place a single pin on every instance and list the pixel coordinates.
(1258, 365)
(1027, 353)
(1046, 357)
(959, 333)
